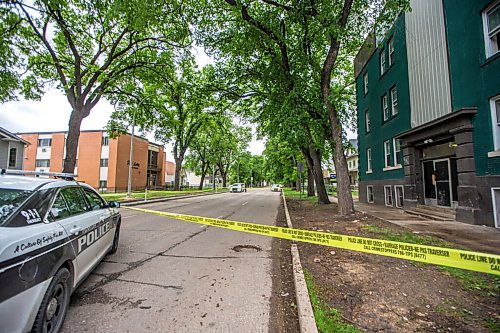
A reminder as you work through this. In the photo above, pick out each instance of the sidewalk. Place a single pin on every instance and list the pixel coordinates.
(474, 237)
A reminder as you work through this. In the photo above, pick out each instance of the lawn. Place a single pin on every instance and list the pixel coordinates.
(150, 195)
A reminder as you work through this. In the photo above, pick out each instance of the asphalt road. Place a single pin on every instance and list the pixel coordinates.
(175, 276)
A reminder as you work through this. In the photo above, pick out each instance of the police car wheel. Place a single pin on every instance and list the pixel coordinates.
(116, 239)
(50, 316)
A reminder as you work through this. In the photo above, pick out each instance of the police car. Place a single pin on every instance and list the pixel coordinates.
(53, 233)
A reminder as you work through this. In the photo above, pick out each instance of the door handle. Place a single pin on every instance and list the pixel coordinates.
(75, 230)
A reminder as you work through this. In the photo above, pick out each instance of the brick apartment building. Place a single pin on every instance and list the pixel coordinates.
(102, 162)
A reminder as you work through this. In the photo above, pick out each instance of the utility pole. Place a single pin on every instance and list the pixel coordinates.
(131, 156)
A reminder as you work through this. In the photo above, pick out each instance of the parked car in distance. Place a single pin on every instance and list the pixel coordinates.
(53, 233)
(237, 187)
(276, 188)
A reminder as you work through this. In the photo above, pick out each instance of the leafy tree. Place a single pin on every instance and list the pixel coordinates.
(301, 52)
(230, 145)
(85, 48)
(201, 156)
(9, 78)
(177, 103)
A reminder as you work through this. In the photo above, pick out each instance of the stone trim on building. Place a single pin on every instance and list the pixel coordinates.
(457, 129)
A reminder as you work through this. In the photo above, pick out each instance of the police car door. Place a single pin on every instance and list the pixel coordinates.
(107, 225)
(71, 211)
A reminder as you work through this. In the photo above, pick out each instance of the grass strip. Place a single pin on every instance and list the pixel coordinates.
(485, 283)
(151, 194)
(328, 319)
(292, 194)
(405, 236)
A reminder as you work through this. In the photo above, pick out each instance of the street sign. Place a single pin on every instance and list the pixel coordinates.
(300, 167)
(333, 176)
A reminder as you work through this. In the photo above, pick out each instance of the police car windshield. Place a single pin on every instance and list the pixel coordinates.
(10, 200)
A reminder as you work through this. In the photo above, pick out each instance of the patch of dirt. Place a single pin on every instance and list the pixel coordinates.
(383, 294)
(283, 318)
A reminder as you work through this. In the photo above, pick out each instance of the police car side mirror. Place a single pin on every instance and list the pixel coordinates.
(54, 212)
(113, 204)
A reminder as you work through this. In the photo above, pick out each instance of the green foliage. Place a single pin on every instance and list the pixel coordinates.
(150, 194)
(493, 325)
(9, 78)
(405, 236)
(85, 47)
(328, 319)
(281, 161)
(489, 285)
(296, 195)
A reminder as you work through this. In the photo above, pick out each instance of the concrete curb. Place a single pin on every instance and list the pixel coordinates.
(142, 202)
(287, 214)
(307, 322)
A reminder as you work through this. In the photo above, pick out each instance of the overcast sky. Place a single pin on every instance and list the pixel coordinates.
(52, 114)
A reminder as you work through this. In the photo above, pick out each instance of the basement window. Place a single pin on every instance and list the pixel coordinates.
(495, 197)
(388, 195)
(399, 192)
(369, 193)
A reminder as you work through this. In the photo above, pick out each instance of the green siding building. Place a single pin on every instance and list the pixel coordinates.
(428, 101)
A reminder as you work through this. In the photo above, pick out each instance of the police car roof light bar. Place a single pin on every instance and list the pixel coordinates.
(65, 176)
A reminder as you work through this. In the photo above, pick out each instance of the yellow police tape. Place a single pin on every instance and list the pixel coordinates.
(474, 261)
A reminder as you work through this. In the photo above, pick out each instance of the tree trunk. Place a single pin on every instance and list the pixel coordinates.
(344, 195)
(310, 171)
(345, 203)
(75, 120)
(318, 176)
(311, 176)
(177, 177)
(202, 178)
(310, 183)
(298, 184)
(224, 179)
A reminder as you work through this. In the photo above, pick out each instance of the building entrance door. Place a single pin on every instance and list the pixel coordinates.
(438, 182)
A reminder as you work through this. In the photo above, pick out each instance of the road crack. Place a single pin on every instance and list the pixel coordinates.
(114, 276)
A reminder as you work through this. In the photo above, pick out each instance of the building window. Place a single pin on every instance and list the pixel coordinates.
(495, 117)
(12, 157)
(103, 184)
(369, 193)
(397, 152)
(495, 196)
(367, 120)
(369, 160)
(394, 101)
(390, 46)
(387, 153)
(105, 141)
(44, 142)
(491, 21)
(104, 162)
(382, 62)
(365, 83)
(388, 195)
(42, 163)
(385, 107)
(399, 193)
